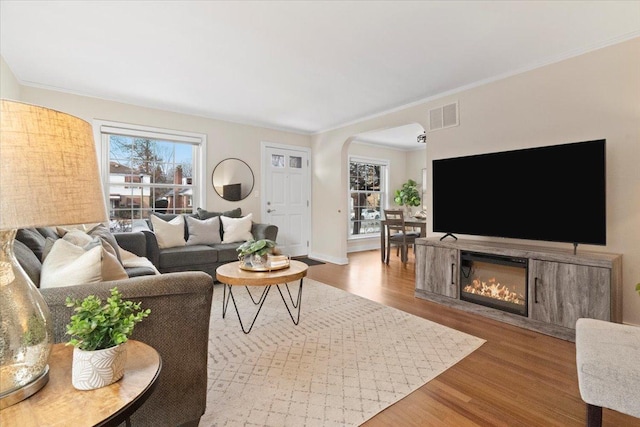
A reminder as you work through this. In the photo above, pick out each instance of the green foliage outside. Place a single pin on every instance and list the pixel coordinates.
(260, 247)
(408, 195)
(95, 326)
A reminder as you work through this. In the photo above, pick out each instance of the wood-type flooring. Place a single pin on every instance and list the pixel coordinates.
(517, 378)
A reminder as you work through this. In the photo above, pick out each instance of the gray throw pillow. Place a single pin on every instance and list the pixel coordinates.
(105, 235)
(204, 214)
(203, 231)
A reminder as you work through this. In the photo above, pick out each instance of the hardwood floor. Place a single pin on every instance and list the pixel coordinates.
(517, 378)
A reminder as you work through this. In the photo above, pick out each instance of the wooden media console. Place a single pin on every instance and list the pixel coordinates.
(561, 286)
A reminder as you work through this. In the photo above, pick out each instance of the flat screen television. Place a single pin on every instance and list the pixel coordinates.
(554, 193)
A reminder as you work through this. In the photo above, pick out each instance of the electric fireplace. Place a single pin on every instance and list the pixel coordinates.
(494, 281)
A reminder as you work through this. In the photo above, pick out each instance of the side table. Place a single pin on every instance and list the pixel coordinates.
(60, 404)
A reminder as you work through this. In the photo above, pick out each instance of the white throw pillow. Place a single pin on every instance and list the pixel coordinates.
(169, 234)
(203, 232)
(236, 229)
(67, 265)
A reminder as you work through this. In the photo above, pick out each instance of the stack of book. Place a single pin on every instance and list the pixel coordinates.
(275, 261)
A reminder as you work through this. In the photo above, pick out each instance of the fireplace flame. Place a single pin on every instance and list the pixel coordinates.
(493, 289)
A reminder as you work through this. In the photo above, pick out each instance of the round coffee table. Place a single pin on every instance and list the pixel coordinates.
(231, 275)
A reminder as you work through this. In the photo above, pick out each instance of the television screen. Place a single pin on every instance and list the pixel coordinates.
(554, 193)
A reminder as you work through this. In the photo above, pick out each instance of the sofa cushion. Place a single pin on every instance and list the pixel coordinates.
(48, 232)
(171, 217)
(227, 252)
(28, 260)
(106, 236)
(234, 213)
(203, 231)
(169, 234)
(187, 255)
(236, 229)
(31, 238)
(68, 264)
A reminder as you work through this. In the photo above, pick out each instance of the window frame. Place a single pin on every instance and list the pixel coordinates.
(384, 190)
(103, 129)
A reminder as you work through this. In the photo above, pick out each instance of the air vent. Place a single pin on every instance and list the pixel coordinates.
(443, 117)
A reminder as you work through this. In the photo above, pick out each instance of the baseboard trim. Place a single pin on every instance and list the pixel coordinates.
(329, 258)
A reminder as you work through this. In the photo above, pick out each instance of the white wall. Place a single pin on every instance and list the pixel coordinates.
(224, 139)
(592, 96)
(9, 86)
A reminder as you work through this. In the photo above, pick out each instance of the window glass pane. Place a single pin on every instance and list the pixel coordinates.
(365, 183)
(148, 175)
(277, 161)
(295, 162)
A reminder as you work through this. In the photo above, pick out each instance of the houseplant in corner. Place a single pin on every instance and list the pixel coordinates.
(99, 333)
(407, 196)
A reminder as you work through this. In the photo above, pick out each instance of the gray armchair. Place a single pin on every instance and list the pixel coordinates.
(178, 327)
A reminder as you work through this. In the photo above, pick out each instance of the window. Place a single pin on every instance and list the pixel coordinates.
(367, 185)
(149, 170)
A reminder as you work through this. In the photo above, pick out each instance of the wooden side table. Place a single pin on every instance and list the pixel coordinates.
(232, 275)
(60, 404)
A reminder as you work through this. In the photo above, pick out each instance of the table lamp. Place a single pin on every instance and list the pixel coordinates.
(48, 176)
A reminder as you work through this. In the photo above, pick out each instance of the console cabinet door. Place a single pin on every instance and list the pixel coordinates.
(437, 270)
(561, 293)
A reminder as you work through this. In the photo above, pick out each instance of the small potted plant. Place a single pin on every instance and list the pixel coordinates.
(254, 252)
(98, 333)
(408, 195)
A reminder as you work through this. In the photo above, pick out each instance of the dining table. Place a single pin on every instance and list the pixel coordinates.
(420, 223)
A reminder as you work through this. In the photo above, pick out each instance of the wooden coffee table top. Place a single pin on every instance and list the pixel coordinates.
(59, 404)
(232, 274)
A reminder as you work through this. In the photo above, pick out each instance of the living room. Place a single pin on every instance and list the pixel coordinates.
(584, 94)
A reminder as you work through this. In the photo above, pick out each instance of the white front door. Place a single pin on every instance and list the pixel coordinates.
(286, 196)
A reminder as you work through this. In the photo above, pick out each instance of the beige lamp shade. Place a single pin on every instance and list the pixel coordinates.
(49, 171)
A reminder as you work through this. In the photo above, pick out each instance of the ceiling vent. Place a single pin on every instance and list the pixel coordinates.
(443, 117)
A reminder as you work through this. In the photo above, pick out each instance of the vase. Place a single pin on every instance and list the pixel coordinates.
(97, 368)
(253, 260)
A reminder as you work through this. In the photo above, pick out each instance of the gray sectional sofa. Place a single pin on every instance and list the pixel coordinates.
(178, 327)
(197, 257)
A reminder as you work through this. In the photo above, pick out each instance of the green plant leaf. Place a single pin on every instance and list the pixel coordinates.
(408, 194)
(94, 326)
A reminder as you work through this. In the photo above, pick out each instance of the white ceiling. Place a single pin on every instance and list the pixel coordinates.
(306, 66)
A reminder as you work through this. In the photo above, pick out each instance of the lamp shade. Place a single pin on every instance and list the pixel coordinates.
(48, 176)
(48, 169)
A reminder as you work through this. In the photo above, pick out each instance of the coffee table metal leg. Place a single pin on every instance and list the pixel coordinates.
(294, 304)
(225, 303)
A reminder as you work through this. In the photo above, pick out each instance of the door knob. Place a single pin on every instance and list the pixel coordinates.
(270, 210)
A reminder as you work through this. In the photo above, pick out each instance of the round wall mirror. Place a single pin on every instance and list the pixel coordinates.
(232, 179)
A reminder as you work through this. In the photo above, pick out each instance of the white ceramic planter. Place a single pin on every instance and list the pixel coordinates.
(98, 368)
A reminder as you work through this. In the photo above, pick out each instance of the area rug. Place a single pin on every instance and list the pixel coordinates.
(348, 359)
(310, 262)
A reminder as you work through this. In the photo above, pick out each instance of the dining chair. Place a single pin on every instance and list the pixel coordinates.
(398, 234)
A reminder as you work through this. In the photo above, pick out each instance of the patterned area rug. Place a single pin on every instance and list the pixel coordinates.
(347, 360)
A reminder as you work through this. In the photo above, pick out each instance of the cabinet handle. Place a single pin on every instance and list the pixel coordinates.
(452, 273)
(535, 290)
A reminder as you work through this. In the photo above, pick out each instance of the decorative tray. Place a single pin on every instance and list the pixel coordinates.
(263, 268)
(272, 263)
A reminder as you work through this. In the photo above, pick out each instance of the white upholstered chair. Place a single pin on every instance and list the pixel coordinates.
(608, 362)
